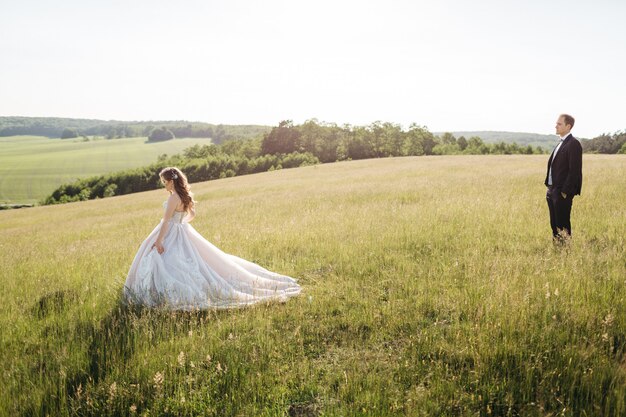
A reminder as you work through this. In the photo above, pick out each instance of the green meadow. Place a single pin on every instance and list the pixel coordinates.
(430, 287)
(31, 167)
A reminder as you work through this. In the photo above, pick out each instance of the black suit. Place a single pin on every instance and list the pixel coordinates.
(567, 177)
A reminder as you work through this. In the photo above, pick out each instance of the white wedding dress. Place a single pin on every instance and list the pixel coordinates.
(194, 274)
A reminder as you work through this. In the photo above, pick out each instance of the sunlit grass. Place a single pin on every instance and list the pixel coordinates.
(431, 287)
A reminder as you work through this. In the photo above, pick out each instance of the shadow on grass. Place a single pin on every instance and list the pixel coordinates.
(105, 347)
(112, 341)
(53, 302)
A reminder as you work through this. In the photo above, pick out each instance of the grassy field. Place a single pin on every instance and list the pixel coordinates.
(430, 287)
(31, 167)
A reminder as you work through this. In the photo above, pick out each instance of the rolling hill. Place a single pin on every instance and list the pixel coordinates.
(430, 287)
(31, 167)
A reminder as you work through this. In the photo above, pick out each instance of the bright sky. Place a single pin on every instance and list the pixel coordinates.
(448, 64)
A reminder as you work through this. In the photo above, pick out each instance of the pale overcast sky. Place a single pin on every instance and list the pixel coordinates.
(450, 64)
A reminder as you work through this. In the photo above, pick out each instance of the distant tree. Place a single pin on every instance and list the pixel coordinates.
(200, 151)
(446, 149)
(448, 138)
(623, 149)
(389, 139)
(250, 148)
(475, 142)
(430, 141)
(499, 148)
(311, 136)
(476, 146)
(359, 144)
(69, 133)
(462, 142)
(417, 140)
(281, 140)
(160, 134)
(109, 191)
(605, 143)
(320, 139)
(219, 134)
(620, 140)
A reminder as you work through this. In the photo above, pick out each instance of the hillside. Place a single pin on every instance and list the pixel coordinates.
(32, 167)
(431, 287)
(53, 127)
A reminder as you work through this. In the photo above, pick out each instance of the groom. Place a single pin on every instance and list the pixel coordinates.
(564, 178)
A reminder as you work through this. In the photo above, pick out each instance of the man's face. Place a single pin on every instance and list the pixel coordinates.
(561, 128)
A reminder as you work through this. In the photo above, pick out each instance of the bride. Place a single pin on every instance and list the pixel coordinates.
(178, 268)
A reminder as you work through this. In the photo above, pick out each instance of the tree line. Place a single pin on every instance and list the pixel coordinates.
(284, 146)
(330, 142)
(54, 127)
(216, 165)
(606, 143)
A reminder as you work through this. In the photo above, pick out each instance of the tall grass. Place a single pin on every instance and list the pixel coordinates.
(431, 287)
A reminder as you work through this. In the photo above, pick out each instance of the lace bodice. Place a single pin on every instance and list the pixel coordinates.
(177, 217)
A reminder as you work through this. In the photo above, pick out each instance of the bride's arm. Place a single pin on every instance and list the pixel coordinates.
(172, 202)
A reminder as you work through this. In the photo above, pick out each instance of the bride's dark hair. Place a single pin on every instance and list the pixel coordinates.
(181, 186)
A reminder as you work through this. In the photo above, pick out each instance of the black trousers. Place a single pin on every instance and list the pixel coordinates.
(560, 210)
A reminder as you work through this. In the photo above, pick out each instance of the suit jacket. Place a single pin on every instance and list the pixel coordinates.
(567, 167)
